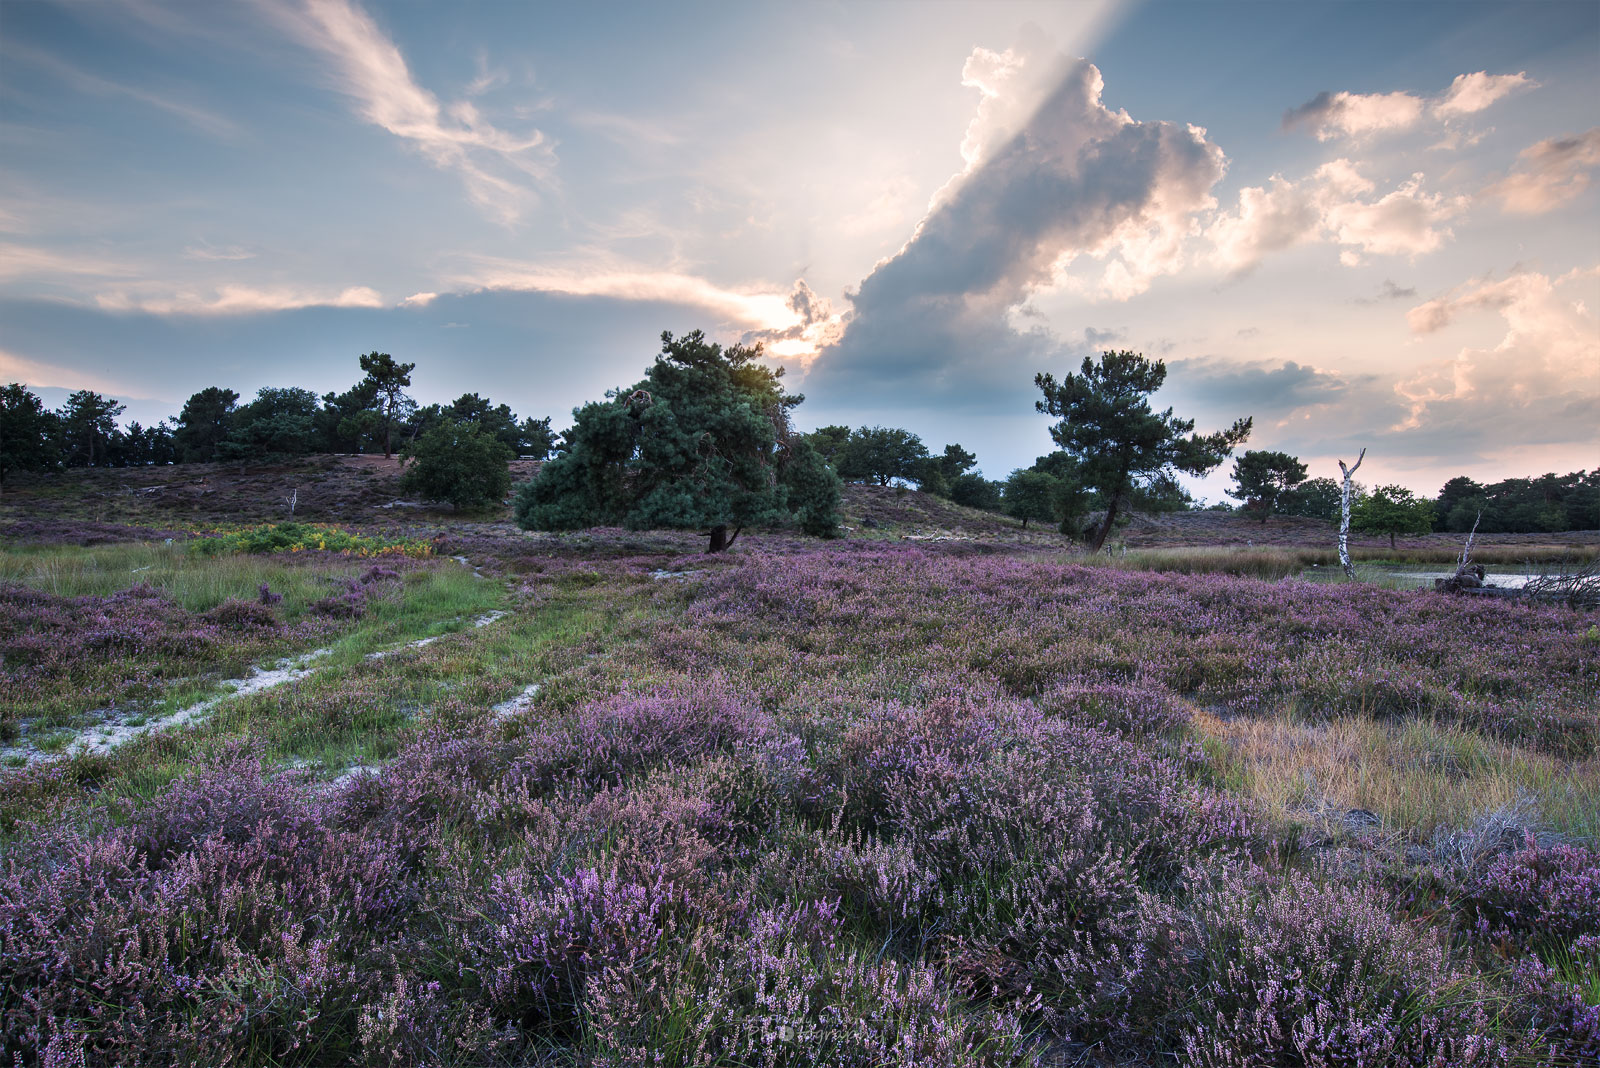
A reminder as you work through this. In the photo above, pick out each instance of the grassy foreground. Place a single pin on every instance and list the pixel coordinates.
(849, 805)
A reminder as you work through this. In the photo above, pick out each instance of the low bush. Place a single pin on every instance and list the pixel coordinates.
(306, 537)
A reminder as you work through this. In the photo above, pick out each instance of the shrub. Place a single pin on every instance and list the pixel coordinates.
(459, 462)
(1323, 975)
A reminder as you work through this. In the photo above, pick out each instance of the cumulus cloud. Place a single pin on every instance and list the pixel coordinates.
(1539, 385)
(1259, 388)
(498, 168)
(1330, 115)
(1057, 190)
(1362, 115)
(1471, 93)
(239, 300)
(1334, 204)
(1549, 174)
(818, 326)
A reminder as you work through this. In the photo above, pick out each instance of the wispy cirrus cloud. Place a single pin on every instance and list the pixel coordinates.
(201, 118)
(500, 170)
(31, 262)
(754, 308)
(237, 300)
(1357, 116)
(40, 374)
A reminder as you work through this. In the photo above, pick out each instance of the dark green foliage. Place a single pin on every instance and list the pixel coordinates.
(1073, 499)
(1316, 498)
(1159, 493)
(279, 422)
(347, 419)
(881, 454)
(141, 446)
(1262, 478)
(830, 442)
(1108, 427)
(1392, 510)
(1032, 495)
(938, 474)
(203, 423)
(87, 423)
(26, 432)
(703, 441)
(1521, 505)
(972, 490)
(535, 438)
(459, 461)
(387, 379)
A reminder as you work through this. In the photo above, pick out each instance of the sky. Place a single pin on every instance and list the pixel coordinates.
(1365, 225)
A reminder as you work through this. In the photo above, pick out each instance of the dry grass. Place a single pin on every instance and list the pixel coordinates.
(1419, 777)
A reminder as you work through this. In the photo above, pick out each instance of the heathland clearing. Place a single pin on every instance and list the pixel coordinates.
(899, 800)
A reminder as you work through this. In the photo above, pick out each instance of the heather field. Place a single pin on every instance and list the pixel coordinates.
(598, 799)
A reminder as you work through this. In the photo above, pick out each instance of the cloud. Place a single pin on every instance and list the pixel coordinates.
(37, 375)
(753, 309)
(1057, 191)
(25, 261)
(496, 167)
(212, 253)
(1472, 93)
(1331, 115)
(1362, 115)
(1333, 204)
(239, 300)
(1539, 385)
(200, 118)
(1259, 388)
(1389, 290)
(1549, 174)
(419, 300)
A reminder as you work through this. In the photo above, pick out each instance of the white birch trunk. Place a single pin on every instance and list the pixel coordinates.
(1344, 517)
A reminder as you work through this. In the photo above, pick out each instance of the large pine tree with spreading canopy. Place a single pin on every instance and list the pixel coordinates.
(703, 442)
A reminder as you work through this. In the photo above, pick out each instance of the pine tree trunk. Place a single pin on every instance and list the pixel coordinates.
(1391, 539)
(719, 539)
(1105, 528)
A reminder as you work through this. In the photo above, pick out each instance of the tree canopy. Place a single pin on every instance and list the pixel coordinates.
(387, 380)
(704, 441)
(459, 461)
(1392, 510)
(1116, 439)
(881, 454)
(26, 431)
(1261, 479)
(87, 423)
(203, 424)
(1032, 495)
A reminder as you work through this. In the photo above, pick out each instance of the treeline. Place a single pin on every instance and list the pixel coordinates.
(373, 415)
(1115, 455)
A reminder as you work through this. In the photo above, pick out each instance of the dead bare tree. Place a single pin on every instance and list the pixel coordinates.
(1344, 517)
(1468, 576)
(1575, 587)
